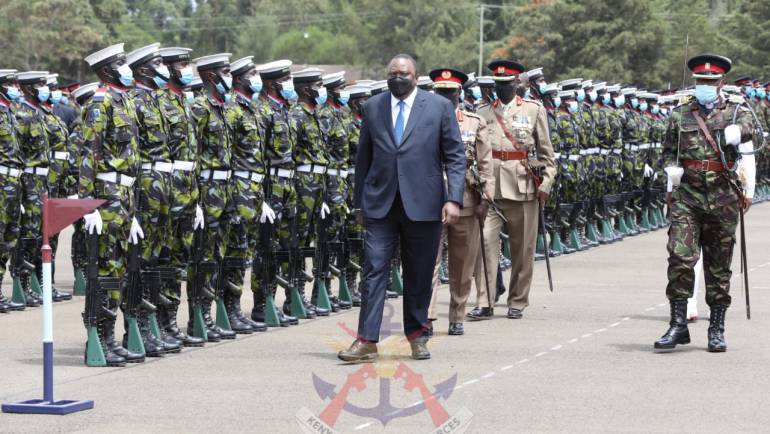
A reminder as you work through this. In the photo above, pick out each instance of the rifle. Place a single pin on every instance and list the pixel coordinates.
(198, 292)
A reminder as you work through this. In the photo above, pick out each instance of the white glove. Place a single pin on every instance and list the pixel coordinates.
(73, 196)
(733, 135)
(674, 177)
(93, 222)
(655, 176)
(325, 210)
(747, 170)
(21, 208)
(198, 224)
(136, 232)
(268, 215)
(648, 170)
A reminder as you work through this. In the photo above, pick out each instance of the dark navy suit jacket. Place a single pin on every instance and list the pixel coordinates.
(431, 144)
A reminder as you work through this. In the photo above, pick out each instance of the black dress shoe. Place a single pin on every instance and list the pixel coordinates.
(456, 329)
(287, 319)
(10, 305)
(514, 313)
(391, 294)
(480, 313)
(57, 295)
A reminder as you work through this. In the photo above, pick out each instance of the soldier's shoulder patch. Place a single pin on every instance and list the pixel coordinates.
(99, 94)
(94, 113)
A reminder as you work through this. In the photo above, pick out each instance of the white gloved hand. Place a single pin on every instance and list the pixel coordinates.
(93, 222)
(199, 222)
(655, 176)
(268, 215)
(72, 196)
(747, 170)
(674, 177)
(21, 208)
(325, 210)
(733, 135)
(648, 170)
(136, 232)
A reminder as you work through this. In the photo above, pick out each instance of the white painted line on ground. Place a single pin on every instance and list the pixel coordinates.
(626, 318)
(489, 375)
(662, 305)
(475, 380)
(600, 331)
(556, 348)
(505, 368)
(522, 361)
(541, 354)
(416, 403)
(572, 341)
(587, 335)
(615, 324)
(649, 309)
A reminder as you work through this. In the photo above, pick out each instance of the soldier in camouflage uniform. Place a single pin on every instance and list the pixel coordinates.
(175, 105)
(215, 138)
(311, 162)
(60, 182)
(358, 95)
(571, 173)
(634, 134)
(280, 195)
(336, 122)
(11, 165)
(108, 171)
(246, 193)
(702, 142)
(592, 162)
(152, 191)
(34, 144)
(602, 115)
(552, 103)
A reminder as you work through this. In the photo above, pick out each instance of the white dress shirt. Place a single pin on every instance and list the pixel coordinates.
(408, 103)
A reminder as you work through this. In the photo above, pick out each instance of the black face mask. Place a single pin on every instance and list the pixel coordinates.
(399, 86)
(505, 93)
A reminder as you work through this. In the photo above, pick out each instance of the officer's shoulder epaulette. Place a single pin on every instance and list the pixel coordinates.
(471, 115)
(736, 99)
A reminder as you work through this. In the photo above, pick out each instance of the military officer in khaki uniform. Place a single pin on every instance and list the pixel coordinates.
(521, 147)
(464, 236)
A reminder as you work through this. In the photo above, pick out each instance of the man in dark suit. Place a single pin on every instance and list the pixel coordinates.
(409, 140)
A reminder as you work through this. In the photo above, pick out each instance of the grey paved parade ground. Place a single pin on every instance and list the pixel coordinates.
(581, 360)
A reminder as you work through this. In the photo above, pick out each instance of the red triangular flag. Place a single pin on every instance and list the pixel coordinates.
(60, 213)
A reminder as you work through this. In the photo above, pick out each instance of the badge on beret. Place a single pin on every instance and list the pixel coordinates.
(501, 69)
(446, 75)
(708, 66)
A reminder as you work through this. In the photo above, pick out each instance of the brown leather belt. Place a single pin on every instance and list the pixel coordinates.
(509, 155)
(705, 165)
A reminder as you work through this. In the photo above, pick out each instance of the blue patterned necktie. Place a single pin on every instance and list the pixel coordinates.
(398, 130)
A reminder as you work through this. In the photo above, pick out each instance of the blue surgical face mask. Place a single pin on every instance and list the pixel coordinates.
(126, 75)
(161, 76)
(541, 87)
(225, 84)
(664, 111)
(572, 106)
(186, 75)
(344, 97)
(593, 95)
(655, 109)
(189, 97)
(749, 91)
(557, 102)
(476, 92)
(528, 93)
(64, 100)
(705, 93)
(56, 97)
(13, 93)
(581, 95)
(760, 92)
(634, 103)
(255, 84)
(643, 106)
(620, 101)
(227, 97)
(321, 96)
(606, 99)
(287, 90)
(43, 93)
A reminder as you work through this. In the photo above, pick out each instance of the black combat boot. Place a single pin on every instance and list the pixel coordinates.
(56, 294)
(233, 307)
(113, 359)
(677, 333)
(211, 334)
(31, 298)
(212, 327)
(169, 324)
(108, 337)
(355, 296)
(9, 305)
(716, 331)
(153, 347)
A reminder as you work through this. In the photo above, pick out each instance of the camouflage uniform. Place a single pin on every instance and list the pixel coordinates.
(571, 172)
(183, 190)
(154, 181)
(76, 151)
(10, 192)
(355, 230)
(110, 151)
(614, 161)
(278, 150)
(335, 123)
(705, 207)
(34, 145)
(245, 188)
(634, 130)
